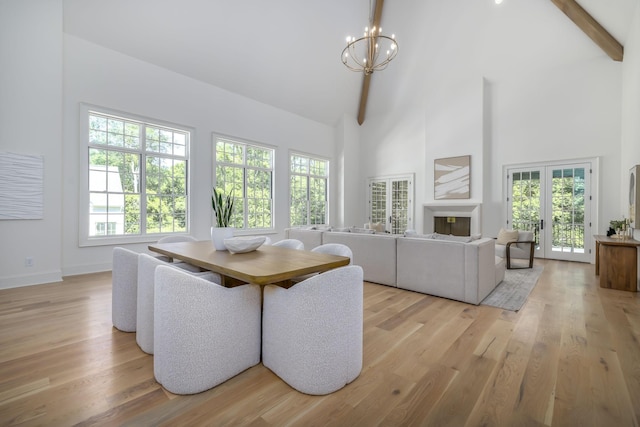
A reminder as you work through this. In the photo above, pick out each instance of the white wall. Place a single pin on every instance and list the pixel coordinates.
(564, 113)
(349, 180)
(459, 95)
(630, 148)
(31, 123)
(106, 78)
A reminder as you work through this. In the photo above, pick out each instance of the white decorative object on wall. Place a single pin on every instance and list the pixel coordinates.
(21, 186)
(452, 178)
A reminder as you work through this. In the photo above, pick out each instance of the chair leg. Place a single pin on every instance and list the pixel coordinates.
(531, 255)
(531, 251)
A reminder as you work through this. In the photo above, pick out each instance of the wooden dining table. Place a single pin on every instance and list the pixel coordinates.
(266, 265)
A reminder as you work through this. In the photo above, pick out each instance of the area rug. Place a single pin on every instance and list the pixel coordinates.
(513, 291)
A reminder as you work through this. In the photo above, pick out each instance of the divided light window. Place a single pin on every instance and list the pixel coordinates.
(308, 190)
(137, 177)
(245, 170)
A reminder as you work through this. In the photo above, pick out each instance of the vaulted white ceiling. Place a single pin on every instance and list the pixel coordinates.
(286, 53)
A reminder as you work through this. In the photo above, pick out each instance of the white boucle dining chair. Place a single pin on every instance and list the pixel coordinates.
(124, 289)
(146, 279)
(335, 249)
(174, 239)
(204, 333)
(290, 243)
(331, 249)
(312, 331)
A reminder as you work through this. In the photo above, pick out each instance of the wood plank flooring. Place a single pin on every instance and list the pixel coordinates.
(570, 357)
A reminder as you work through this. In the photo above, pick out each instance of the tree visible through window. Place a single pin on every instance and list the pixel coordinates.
(137, 177)
(246, 171)
(308, 189)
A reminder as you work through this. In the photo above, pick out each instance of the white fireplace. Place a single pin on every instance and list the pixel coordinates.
(473, 211)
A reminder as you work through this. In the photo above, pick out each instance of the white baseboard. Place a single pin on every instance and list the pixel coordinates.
(30, 279)
(86, 269)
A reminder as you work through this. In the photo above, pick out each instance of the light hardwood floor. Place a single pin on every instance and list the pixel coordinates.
(570, 357)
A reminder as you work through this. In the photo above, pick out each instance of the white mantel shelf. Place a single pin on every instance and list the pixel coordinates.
(471, 210)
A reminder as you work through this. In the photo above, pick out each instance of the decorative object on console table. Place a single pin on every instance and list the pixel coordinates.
(621, 227)
(222, 209)
(634, 196)
(452, 177)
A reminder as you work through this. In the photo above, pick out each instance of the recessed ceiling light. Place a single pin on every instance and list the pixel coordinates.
(498, 1)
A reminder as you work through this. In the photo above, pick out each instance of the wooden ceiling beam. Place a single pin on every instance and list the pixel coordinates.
(366, 78)
(591, 28)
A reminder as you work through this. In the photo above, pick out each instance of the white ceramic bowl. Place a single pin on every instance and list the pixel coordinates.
(238, 245)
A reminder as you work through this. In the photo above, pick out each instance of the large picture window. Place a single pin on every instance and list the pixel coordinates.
(308, 190)
(245, 170)
(136, 178)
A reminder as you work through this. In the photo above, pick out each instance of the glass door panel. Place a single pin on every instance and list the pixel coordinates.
(526, 202)
(567, 213)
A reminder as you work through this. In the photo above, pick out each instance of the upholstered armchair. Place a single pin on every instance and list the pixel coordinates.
(334, 249)
(312, 332)
(145, 299)
(518, 244)
(290, 244)
(204, 333)
(124, 289)
(330, 249)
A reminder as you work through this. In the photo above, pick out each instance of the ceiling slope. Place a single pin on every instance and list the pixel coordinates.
(286, 53)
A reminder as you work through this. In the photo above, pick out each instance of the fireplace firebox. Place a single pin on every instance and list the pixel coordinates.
(456, 225)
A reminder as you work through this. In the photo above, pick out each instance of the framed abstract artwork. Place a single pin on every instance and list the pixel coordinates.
(452, 178)
(634, 196)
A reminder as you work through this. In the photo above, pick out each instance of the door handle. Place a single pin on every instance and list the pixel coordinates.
(542, 224)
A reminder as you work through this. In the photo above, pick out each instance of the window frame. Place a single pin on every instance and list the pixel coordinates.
(84, 216)
(309, 175)
(246, 143)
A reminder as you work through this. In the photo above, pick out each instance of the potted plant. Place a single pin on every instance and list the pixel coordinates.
(223, 210)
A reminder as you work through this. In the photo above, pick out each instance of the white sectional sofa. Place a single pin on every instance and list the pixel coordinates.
(310, 238)
(448, 268)
(455, 270)
(375, 253)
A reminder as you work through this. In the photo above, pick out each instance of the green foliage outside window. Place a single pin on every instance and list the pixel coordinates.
(137, 177)
(308, 190)
(568, 206)
(246, 171)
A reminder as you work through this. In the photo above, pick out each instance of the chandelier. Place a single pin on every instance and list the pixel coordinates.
(364, 53)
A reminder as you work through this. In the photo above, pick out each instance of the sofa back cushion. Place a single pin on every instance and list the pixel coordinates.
(310, 238)
(375, 253)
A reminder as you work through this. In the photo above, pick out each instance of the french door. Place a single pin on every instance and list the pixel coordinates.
(554, 201)
(390, 202)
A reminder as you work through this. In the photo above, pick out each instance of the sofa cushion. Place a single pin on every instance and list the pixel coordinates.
(506, 236)
(413, 233)
(310, 238)
(452, 238)
(361, 230)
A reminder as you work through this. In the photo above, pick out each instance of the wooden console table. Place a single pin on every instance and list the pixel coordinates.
(617, 263)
